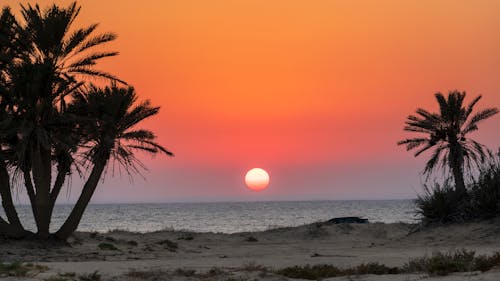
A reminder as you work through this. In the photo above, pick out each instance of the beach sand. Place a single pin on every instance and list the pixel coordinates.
(173, 255)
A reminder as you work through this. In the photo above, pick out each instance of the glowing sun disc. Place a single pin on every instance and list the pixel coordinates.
(257, 179)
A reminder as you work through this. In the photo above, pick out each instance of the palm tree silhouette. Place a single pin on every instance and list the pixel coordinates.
(53, 122)
(42, 64)
(47, 40)
(447, 133)
(108, 118)
(8, 53)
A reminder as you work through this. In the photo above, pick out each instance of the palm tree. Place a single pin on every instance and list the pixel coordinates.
(8, 53)
(49, 66)
(447, 133)
(108, 119)
(51, 123)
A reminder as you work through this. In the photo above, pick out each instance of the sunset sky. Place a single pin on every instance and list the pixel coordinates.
(315, 92)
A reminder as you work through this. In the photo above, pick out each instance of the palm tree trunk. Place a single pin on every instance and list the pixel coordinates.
(63, 170)
(457, 163)
(7, 203)
(458, 175)
(41, 168)
(10, 231)
(73, 220)
(31, 192)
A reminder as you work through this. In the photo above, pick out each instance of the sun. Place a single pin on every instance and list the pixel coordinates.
(257, 179)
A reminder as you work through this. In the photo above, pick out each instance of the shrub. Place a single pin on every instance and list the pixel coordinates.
(442, 204)
(211, 273)
(169, 245)
(55, 278)
(110, 239)
(485, 193)
(310, 272)
(146, 275)
(132, 243)
(484, 263)
(94, 276)
(107, 246)
(457, 261)
(437, 264)
(17, 269)
(321, 271)
(253, 266)
(442, 263)
(375, 268)
(185, 272)
(13, 269)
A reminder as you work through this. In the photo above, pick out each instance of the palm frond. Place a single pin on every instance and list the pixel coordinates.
(77, 37)
(138, 134)
(413, 143)
(470, 107)
(436, 157)
(478, 117)
(424, 149)
(95, 73)
(443, 104)
(91, 59)
(97, 40)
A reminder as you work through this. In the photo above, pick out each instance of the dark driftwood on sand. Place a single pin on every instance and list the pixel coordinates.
(348, 220)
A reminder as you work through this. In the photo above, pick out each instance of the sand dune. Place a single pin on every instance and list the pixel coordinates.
(342, 245)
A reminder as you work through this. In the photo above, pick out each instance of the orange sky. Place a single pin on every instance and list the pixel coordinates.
(316, 92)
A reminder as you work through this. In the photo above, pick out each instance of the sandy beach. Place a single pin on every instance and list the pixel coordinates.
(178, 255)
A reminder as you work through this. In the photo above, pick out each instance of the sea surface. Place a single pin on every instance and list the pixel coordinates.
(225, 217)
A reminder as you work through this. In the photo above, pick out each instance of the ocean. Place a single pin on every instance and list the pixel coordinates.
(225, 217)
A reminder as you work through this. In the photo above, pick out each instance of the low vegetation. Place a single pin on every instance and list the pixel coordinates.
(185, 272)
(146, 275)
(441, 203)
(253, 266)
(107, 246)
(94, 276)
(320, 271)
(169, 245)
(132, 243)
(56, 278)
(17, 269)
(459, 261)
(438, 263)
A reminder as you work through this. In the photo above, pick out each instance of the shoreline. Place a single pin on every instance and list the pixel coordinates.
(225, 218)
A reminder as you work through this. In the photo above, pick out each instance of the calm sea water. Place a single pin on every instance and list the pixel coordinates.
(227, 217)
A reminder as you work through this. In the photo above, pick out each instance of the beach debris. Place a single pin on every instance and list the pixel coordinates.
(251, 239)
(348, 220)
